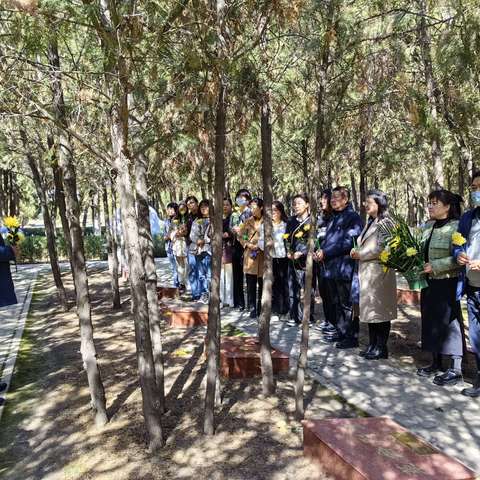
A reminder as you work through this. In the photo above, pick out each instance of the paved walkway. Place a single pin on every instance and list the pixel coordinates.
(441, 416)
(12, 322)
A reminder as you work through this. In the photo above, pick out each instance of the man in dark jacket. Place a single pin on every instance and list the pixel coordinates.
(468, 254)
(339, 268)
(7, 291)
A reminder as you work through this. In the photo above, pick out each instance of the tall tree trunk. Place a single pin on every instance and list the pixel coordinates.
(146, 244)
(112, 253)
(268, 383)
(432, 94)
(47, 221)
(213, 326)
(354, 190)
(87, 348)
(363, 175)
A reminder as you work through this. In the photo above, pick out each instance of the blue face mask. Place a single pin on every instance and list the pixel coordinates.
(241, 202)
(475, 198)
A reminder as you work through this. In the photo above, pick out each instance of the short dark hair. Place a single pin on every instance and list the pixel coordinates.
(258, 201)
(448, 198)
(303, 196)
(380, 199)
(343, 190)
(326, 192)
(191, 197)
(204, 203)
(475, 175)
(243, 192)
(172, 205)
(229, 200)
(281, 208)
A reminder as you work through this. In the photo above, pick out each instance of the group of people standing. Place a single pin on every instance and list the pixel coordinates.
(348, 274)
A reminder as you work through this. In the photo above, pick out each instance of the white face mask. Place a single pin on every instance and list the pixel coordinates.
(475, 198)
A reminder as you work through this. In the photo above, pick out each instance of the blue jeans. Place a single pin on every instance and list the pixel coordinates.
(193, 276)
(204, 267)
(173, 266)
(473, 308)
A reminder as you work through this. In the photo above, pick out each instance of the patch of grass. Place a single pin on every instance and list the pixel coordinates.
(25, 381)
(231, 330)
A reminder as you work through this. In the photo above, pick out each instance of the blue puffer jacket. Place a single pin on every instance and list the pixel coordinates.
(464, 227)
(339, 237)
(7, 291)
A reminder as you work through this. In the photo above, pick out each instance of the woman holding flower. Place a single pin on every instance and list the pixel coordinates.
(279, 259)
(200, 248)
(378, 289)
(442, 324)
(7, 254)
(177, 234)
(250, 233)
(298, 228)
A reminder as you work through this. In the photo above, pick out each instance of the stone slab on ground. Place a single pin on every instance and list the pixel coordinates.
(376, 448)
(441, 416)
(408, 297)
(167, 292)
(240, 358)
(181, 314)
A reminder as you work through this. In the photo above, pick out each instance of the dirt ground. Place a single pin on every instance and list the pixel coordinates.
(47, 431)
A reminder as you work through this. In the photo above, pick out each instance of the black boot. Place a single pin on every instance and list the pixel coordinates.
(450, 377)
(369, 349)
(377, 353)
(474, 390)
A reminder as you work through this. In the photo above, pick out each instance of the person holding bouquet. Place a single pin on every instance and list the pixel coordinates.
(250, 233)
(296, 236)
(466, 250)
(442, 325)
(339, 267)
(7, 254)
(378, 289)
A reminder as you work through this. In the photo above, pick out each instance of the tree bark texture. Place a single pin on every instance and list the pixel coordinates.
(87, 348)
(40, 188)
(268, 383)
(213, 327)
(146, 244)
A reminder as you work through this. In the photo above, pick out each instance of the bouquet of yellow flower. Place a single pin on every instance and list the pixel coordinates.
(14, 236)
(403, 251)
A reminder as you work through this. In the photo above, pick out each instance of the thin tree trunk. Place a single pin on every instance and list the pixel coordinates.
(47, 221)
(432, 94)
(87, 348)
(112, 253)
(268, 383)
(363, 175)
(146, 244)
(354, 190)
(213, 327)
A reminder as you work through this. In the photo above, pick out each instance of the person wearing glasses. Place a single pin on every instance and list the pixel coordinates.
(468, 256)
(378, 289)
(339, 267)
(442, 325)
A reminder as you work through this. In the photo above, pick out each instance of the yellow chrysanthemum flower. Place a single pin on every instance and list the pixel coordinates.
(285, 236)
(299, 235)
(395, 242)
(458, 239)
(11, 222)
(306, 228)
(411, 252)
(384, 256)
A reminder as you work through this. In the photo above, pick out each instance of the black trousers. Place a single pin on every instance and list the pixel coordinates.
(254, 292)
(280, 286)
(238, 281)
(378, 333)
(340, 292)
(328, 308)
(296, 286)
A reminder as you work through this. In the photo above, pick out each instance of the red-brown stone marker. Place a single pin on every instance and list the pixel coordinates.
(184, 315)
(240, 358)
(376, 448)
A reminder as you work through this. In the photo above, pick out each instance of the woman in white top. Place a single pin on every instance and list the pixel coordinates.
(279, 259)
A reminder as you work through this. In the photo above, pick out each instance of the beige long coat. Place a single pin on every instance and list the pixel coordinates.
(378, 289)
